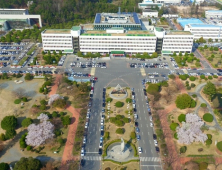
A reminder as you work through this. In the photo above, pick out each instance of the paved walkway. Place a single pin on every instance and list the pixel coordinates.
(67, 154)
(175, 158)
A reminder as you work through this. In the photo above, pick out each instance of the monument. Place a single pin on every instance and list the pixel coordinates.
(122, 145)
(118, 93)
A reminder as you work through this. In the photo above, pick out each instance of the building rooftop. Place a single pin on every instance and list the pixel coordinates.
(128, 33)
(117, 18)
(186, 21)
(179, 33)
(149, 10)
(75, 28)
(204, 25)
(216, 11)
(57, 31)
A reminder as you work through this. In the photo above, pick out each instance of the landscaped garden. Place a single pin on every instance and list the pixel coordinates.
(212, 54)
(119, 123)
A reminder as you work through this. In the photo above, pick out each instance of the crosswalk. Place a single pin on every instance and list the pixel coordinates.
(143, 73)
(92, 158)
(93, 70)
(149, 159)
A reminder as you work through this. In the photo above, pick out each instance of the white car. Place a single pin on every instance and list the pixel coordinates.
(102, 122)
(151, 124)
(135, 116)
(133, 96)
(82, 152)
(87, 116)
(140, 150)
(102, 128)
(102, 117)
(86, 125)
(134, 105)
(151, 119)
(155, 142)
(100, 145)
(84, 140)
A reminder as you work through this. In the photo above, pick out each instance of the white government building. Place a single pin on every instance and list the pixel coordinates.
(116, 38)
(206, 31)
(213, 14)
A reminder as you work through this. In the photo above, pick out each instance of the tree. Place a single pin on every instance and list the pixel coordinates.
(153, 88)
(19, 93)
(48, 166)
(201, 40)
(184, 101)
(66, 120)
(26, 122)
(9, 122)
(133, 135)
(43, 102)
(120, 131)
(55, 114)
(154, 55)
(210, 40)
(28, 76)
(28, 164)
(59, 103)
(210, 89)
(38, 134)
(4, 166)
(190, 131)
(10, 133)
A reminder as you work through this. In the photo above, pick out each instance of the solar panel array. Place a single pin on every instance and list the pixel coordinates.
(98, 18)
(136, 19)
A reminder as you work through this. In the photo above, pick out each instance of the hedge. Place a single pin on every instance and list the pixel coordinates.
(121, 163)
(183, 149)
(175, 136)
(182, 118)
(208, 142)
(119, 104)
(173, 126)
(17, 101)
(208, 117)
(109, 100)
(128, 100)
(203, 105)
(209, 136)
(219, 146)
(192, 78)
(120, 131)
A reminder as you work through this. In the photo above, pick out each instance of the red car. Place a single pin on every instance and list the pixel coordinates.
(96, 78)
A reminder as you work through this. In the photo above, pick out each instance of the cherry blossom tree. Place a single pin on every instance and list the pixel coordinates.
(190, 130)
(38, 134)
(53, 98)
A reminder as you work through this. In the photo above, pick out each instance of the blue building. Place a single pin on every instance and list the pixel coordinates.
(185, 21)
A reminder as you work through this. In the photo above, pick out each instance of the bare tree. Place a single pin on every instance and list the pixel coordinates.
(48, 166)
(19, 93)
(169, 160)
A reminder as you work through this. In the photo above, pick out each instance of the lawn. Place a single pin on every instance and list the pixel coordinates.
(214, 57)
(112, 166)
(23, 60)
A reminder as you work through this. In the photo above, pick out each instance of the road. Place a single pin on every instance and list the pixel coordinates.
(117, 72)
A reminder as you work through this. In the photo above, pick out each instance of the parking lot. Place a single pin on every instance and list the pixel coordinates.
(12, 53)
(88, 64)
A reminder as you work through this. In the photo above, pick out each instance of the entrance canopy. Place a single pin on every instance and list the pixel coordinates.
(117, 53)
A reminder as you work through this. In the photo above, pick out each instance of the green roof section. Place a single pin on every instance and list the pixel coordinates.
(159, 29)
(116, 28)
(117, 52)
(68, 51)
(85, 34)
(166, 52)
(75, 28)
(144, 35)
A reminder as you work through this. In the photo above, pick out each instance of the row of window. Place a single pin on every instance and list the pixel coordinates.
(107, 43)
(53, 46)
(44, 36)
(178, 41)
(112, 38)
(57, 43)
(67, 40)
(165, 48)
(177, 38)
(144, 49)
(214, 30)
(178, 45)
(110, 46)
